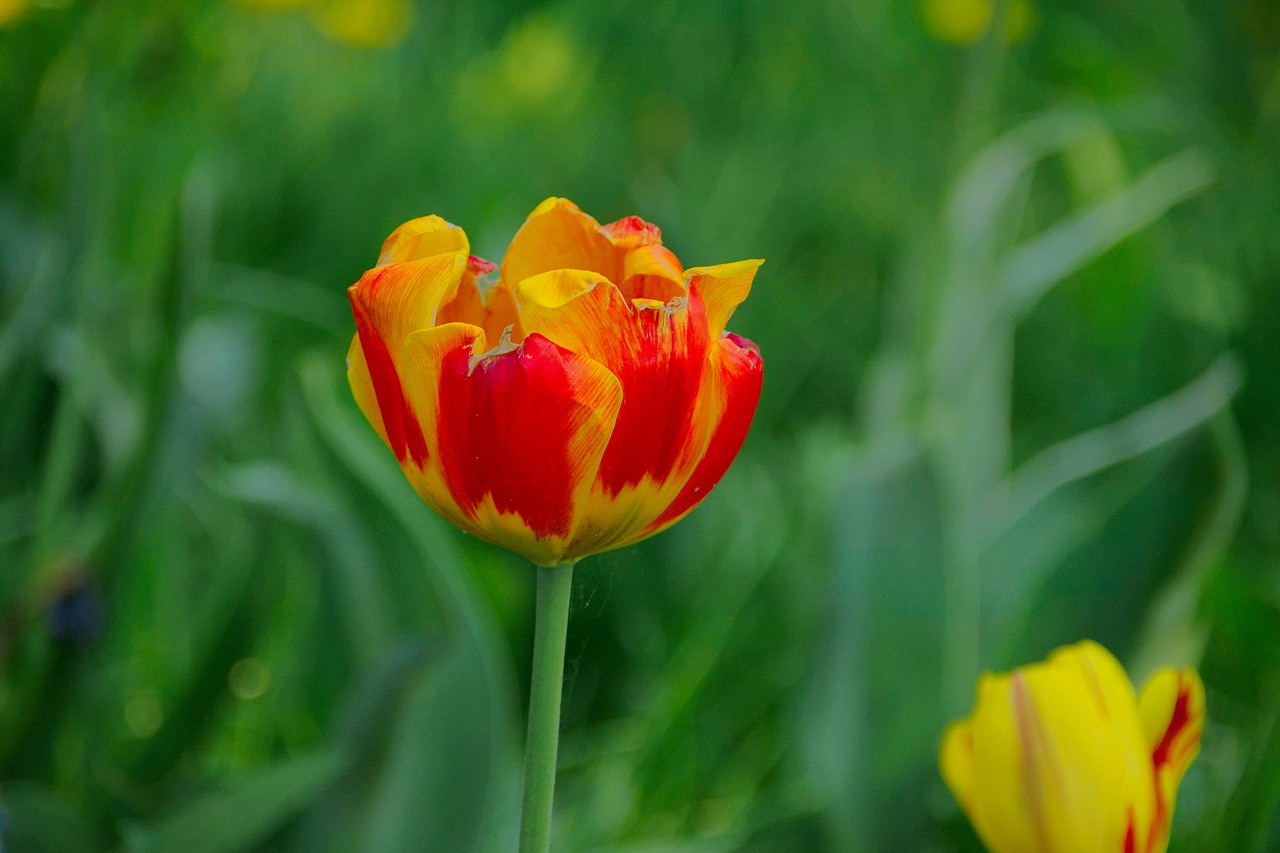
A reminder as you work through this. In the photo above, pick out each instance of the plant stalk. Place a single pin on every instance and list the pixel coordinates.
(550, 628)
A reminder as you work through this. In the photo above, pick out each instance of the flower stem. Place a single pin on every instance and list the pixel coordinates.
(550, 627)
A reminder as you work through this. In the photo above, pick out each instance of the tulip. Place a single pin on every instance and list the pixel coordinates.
(1063, 757)
(581, 398)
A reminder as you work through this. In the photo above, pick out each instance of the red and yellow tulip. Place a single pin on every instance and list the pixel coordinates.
(1064, 757)
(580, 398)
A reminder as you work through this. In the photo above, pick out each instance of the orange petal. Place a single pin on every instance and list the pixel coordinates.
(652, 272)
(481, 302)
(558, 235)
(422, 238)
(723, 287)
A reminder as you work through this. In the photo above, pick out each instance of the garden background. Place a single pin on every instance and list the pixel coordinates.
(1019, 319)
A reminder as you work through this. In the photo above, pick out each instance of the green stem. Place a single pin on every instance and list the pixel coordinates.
(550, 627)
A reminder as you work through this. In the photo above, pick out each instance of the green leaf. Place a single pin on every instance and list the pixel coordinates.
(245, 814)
(873, 714)
(37, 820)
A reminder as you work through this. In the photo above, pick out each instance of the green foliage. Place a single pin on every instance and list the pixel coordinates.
(1019, 318)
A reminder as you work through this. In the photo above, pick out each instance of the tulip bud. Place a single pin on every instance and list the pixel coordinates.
(1062, 757)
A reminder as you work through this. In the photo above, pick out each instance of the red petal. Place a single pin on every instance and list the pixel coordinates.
(739, 372)
(661, 377)
(523, 427)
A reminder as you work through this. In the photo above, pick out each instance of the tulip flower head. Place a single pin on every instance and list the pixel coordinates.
(579, 398)
(1063, 757)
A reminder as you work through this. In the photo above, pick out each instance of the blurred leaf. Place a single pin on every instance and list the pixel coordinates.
(245, 814)
(1174, 632)
(1022, 550)
(362, 733)
(36, 820)
(874, 712)
(356, 582)
(226, 631)
(1035, 266)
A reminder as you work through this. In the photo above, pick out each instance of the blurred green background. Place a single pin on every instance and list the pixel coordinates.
(1019, 320)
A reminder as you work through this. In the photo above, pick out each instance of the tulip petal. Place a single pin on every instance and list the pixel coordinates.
(727, 405)
(1172, 708)
(1001, 813)
(658, 353)
(652, 272)
(1054, 772)
(389, 302)
(955, 758)
(517, 469)
(558, 235)
(632, 232)
(422, 238)
(723, 288)
(481, 303)
(362, 388)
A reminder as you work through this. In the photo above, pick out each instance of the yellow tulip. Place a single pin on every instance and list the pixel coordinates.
(1063, 756)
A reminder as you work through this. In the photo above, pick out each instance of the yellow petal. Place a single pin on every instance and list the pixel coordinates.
(400, 298)
(558, 235)
(955, 758)
(422, 238)
(723, 287)
(652, 272)
(389, 302)
(1172, 706)
(1004, 814)
(1056, 765)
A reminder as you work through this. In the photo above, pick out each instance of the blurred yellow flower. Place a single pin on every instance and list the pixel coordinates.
(538, 69)
(11, 10)
(361, 23)
(1063, 757)
(966, 21)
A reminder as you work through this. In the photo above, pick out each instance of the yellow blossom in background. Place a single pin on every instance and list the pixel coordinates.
(1064, 757)
(966, 21)
(11, 10)
(360, 23)
(537, 69)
